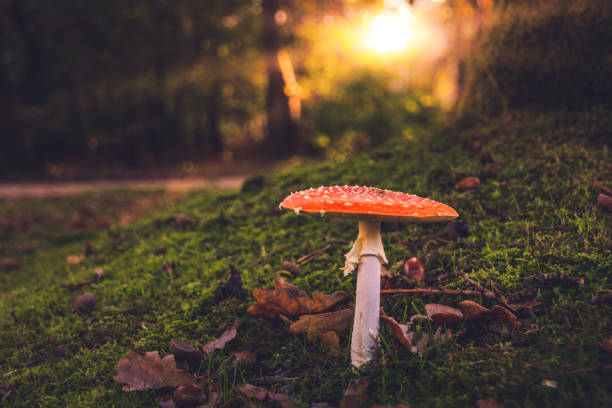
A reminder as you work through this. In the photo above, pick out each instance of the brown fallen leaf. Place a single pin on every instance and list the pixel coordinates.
(75, 259)
(289, 300)
(606, 344)
(502, 313)
(232, 287)
(486, 403)
(442, 313)
(331, 342)
(242, 358)
(468, 184)
(355, 395)
(185, 352)
(472, 310)
(315, 325)
(227, 336)
(399, 330)
(149, 371)
(261, 394)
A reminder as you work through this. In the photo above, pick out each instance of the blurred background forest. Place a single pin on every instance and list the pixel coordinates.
(88, 86)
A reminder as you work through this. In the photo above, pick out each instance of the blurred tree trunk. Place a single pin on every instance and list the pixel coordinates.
(212, 118)
(282, 135)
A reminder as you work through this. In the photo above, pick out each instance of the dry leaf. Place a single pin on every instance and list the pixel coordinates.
(486, 403)
(149, 372)
(261, 394)
(224, 339)
(502, 313)
(468, 184)
(289, 300)
(606, 344)
(399, 330)
(232, 287)
(75, 259)
(315, 325)
(442, 313)
(8, 264)
(246, 358)
(472, 309)
(355, 395)
(330, 342)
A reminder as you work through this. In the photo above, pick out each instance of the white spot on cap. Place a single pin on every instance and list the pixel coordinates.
(348, 204)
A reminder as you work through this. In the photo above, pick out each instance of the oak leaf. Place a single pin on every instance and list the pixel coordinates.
(289, 300)
(315, 325)
(149, 371)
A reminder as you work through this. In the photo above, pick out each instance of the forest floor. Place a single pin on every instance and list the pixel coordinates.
(154, 262)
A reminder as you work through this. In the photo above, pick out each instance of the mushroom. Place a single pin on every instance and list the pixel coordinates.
(370, 206)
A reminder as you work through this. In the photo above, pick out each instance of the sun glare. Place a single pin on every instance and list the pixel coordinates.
(390, 31)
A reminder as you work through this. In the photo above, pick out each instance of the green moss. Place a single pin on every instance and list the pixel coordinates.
(537, 215)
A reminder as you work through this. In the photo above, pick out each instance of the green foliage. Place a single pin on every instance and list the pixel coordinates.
(543, 55)
(537, 215)
(363, 113)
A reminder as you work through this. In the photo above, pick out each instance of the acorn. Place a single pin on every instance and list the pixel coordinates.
(189, 395)
(414, 269)
(458, 228)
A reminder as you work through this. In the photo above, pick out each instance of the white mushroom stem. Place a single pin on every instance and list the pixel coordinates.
(368, 253)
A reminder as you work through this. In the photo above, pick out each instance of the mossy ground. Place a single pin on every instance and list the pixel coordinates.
(537, 214)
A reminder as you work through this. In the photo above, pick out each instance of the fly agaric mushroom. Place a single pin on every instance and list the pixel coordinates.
(369, 206)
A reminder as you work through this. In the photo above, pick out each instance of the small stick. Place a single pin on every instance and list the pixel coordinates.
(420, 291)
(478, 286)
(501, 298)
(309, 257)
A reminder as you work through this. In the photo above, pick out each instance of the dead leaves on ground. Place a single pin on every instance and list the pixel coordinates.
(150, 371)
(251, 391)
(287, 299)
(226, 337)
(469, 310)
(316, 325)
(9, 264)
(355, 395)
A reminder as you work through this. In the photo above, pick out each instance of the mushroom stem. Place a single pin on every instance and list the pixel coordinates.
(368, 253)
(364, 340)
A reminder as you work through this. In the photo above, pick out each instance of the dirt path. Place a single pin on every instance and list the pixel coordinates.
(38, 190)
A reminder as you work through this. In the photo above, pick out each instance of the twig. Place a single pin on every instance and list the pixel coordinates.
(309, 257)
(339, 240)
(487, 293)
(421, 291)
(501, 298)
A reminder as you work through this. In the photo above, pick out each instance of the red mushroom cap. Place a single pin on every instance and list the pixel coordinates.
(367, 203)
